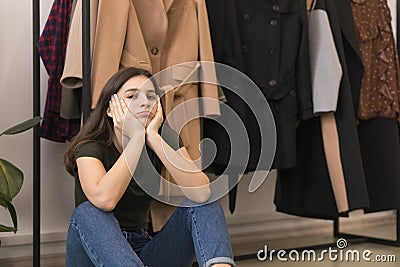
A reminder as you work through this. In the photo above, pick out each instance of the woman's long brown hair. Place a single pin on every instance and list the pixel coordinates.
(99, 127)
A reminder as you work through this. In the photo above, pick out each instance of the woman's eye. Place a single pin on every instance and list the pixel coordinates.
(152, 97)
(131, 96)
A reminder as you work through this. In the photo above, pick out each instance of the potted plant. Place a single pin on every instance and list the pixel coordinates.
(11, 177)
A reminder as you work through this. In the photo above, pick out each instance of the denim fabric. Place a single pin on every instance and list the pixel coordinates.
(95, 239)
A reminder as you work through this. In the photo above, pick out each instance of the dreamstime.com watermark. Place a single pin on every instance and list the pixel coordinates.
(332, 254)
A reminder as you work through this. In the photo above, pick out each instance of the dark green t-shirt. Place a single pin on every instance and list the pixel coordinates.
(132, 211)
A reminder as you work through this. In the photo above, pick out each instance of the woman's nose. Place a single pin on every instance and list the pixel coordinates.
(144, 101)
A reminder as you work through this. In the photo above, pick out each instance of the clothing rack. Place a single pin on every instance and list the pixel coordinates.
(336, 223)
(86, 103)
(36, 135)
(86, 108)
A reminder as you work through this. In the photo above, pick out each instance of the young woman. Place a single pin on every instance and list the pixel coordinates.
(109, 224)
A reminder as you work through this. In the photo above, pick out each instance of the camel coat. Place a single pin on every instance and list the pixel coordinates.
(155, 35)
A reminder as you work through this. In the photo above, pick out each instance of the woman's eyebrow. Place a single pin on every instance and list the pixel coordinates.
(131, 89)
(136, 89)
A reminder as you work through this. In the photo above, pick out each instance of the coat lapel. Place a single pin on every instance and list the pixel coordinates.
(167, 4)
(346, 20)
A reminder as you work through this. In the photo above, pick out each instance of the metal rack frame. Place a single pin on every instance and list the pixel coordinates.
(86, 103)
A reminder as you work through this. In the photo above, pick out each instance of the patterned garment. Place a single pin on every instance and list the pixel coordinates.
(380, 90)
(51, 47)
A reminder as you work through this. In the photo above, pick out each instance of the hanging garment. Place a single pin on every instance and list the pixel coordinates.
(51, 47)
(274, 54)
(227, 50)
(379, 95)
(307, 190)
(378, 109)
(71, 79)
(326, 75)
(274, 39)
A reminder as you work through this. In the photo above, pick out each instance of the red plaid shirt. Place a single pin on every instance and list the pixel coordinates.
(52, 47)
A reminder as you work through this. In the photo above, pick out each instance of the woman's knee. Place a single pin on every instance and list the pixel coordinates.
(86, 211)
(212, 209)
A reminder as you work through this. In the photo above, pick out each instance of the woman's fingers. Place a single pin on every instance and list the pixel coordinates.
(123, 105)
(114, 116)
(159, 107)
(114, 103)
(118, 108)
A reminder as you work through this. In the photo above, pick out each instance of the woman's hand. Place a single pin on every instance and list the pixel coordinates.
(157, 120)
(124, 121)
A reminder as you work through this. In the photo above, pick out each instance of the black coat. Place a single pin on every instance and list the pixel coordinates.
(268, 41)
(306, 190)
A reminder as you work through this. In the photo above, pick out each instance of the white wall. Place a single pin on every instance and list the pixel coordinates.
(255, 212)
(16, 106)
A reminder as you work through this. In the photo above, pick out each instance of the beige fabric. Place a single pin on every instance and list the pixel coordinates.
(154, 35)
(333, 160)
(72, 74)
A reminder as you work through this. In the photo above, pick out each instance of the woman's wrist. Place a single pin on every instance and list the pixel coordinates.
(151, 137)
(138, 136)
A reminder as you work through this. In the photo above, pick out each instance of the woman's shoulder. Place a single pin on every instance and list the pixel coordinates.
(90, 149)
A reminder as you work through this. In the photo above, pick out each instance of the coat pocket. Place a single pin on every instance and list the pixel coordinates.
(128, 60)
(185, 74)
(176, 11)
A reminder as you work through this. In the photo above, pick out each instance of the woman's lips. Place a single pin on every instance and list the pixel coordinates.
(144, 114)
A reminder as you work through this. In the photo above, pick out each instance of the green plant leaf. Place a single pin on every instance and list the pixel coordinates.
(4, 228)
(9, 206)
(23, 126)
(11, 179)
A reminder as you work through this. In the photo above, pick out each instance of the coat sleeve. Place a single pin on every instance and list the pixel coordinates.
(303, 79)
(72, 74)
(110, 36)
(326, 70)
(207, 71)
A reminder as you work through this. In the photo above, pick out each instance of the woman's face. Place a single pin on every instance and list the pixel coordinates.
(140, 97)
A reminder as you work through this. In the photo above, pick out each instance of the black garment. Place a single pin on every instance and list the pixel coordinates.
(380, 150)
(132, 210)
(268, 41)
(306, 190)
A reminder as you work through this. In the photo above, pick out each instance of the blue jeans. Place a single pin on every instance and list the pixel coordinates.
(95, 239)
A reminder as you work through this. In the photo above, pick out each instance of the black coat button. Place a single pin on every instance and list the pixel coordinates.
(245, 49)
(275, 8)
(292, 92)
(154, 50)
(247, 17)
(273, 51)
(273, 22)
(272, 83)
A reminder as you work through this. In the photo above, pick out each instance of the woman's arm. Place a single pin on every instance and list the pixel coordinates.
(104, 189)
(194, 183)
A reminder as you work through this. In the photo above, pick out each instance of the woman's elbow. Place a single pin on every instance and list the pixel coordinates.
(104, 203)
(200, 195)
